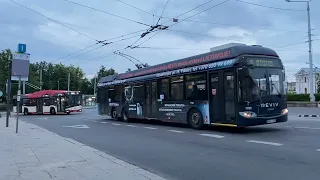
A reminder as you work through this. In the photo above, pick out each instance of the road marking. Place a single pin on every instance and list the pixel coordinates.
(116, 124)
(175, 131)
(129, 125)
(103, 122)
(318, 150)
(299, 127)
(149, 127)
(212, 135)
(264, 142)
(78, 126)
(95, 121)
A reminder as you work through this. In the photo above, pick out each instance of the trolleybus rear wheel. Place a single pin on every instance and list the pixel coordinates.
(195, 119)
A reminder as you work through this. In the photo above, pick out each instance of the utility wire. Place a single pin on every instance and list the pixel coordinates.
(189, 16)
(226, 24)
(135, 7)
(92, 8)
(200, 12)
(162, 12)
(54, 20)
(207, 22)
(99, 47)
(270, 7)
(76, 52)
(101, 42)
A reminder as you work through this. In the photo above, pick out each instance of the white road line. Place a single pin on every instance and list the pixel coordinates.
(212, 135)
(103, 122)
(175, 131)
(264, 142)
(116, 124)
(95, 121)
(299, 127)
(149, 127)
(131, 125)
(318, 150)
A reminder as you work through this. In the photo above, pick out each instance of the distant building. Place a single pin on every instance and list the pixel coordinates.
(302, 80)
(292, 87)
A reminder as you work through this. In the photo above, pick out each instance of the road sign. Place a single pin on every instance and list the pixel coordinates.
(20, 66)
(22, 48)
(21, 56)
(1, 93)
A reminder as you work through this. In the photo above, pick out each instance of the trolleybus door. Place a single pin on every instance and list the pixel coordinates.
(222, 96)
(151, 99)
(39, 105)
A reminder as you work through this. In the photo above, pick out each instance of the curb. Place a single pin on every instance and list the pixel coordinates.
(309, 115)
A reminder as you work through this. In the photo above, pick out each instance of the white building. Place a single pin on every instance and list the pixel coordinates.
(302, 80)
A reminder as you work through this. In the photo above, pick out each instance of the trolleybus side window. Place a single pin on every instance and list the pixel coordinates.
(164, 88)
(111, 94)
(177, 92)
(229, 95)
(138, 92)
(196, 87)
(117, 93)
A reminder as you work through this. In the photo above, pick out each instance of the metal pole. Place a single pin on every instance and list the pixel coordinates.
(9, 95)
(58, 85)
(312, 98)
(23, 87)
(68, 82)
(40, 78)
(95, 85)
(18, 103)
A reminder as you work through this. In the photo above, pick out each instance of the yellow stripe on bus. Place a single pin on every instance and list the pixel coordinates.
(220, 124)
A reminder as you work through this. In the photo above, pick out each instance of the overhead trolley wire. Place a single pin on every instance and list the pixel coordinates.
(102, 11)
(53, 20)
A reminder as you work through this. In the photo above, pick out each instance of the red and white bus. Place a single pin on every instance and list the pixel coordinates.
(49, 102)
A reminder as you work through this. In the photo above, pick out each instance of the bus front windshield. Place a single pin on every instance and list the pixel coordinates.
(258, 82)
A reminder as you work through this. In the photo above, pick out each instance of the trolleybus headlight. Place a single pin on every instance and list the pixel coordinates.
(285, 111)
(248, 114)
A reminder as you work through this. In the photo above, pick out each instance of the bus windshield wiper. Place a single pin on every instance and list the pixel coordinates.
(279, 94)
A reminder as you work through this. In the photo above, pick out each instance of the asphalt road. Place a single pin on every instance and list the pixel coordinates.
(288, 151)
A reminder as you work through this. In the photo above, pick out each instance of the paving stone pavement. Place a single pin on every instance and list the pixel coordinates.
(35, 153)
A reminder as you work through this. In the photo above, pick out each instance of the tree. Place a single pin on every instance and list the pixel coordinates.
(53, 75)
(5, 58)
(318, 82)
(128, 70)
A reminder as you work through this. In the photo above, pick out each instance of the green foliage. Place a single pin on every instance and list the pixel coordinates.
(54, 76)
(5, 56)
(298, 97)
(302, 97)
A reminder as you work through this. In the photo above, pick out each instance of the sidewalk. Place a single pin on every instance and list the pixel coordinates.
(35, 153)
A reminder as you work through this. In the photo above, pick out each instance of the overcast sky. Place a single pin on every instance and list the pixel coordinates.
(233, 21)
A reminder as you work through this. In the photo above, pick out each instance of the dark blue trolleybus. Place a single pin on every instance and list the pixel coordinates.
(234, 86)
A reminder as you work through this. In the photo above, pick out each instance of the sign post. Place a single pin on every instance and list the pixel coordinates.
(20, 72)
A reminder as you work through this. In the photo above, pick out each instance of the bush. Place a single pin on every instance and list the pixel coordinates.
(299, 97)
(3, 107)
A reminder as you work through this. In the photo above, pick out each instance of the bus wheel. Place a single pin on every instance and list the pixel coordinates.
(124, 115)
(114, 113)
(52, 111)
(25, 111)
(195, 119)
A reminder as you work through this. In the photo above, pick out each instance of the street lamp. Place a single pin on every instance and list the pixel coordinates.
(312, 98)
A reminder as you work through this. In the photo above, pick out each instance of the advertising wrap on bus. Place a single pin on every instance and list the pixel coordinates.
(239, 86)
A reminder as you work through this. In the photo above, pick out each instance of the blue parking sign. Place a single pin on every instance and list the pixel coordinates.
(22, 48)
